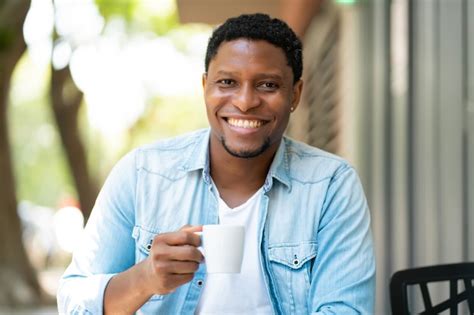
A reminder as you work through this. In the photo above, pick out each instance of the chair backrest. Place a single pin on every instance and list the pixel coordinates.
(422, 276)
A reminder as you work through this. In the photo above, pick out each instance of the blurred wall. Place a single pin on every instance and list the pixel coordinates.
(197, 11)
(318, 120)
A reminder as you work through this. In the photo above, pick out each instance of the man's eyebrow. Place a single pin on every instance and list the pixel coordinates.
(222, 72)
(274, 76)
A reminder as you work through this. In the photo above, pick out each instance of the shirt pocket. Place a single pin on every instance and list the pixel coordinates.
(143, 241)
(291, 268)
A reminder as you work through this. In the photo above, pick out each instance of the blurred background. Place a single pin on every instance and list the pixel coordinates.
(389, 85)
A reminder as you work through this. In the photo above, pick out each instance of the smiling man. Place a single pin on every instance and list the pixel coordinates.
(308, 246)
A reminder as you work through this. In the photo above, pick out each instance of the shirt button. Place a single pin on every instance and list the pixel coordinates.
(149, 245)
(296, 262)
(199, 283)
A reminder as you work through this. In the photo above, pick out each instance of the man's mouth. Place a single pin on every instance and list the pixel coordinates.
(245, 123)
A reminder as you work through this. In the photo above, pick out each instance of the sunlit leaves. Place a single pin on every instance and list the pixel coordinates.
(158, 16)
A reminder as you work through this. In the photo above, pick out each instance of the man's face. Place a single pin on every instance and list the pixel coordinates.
(249, 91)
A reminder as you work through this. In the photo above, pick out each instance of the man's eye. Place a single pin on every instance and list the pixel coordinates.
(269, 86)
(226, 82)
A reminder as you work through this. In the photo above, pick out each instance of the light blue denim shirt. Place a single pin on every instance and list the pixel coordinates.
(314, 230)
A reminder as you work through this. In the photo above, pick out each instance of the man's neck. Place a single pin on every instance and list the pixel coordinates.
(237, 179)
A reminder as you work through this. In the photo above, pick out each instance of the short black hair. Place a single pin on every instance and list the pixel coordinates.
(259, 26)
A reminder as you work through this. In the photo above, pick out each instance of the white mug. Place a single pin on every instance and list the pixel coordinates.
(222, 247)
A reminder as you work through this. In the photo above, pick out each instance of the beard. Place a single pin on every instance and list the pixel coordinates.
(246, 154)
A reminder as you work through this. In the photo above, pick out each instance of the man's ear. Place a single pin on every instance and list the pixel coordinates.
(204, 80)
(297, 89)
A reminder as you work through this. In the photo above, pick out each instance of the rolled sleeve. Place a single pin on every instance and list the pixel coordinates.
(82, 295)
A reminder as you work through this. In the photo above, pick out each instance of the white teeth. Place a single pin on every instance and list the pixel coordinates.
(244, 123)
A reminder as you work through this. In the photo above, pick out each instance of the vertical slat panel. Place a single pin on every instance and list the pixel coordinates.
(451, 107)
(424, 136)
(380, 169)
(400, 217)
(360, 95)
(352, 106)
(425, 208)
(469, 34)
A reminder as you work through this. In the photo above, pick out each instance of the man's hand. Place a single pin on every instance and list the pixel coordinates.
(173, 260)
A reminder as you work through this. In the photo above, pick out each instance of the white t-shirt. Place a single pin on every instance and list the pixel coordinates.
(245, 292)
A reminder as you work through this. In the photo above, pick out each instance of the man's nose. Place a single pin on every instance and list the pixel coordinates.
(246, 98)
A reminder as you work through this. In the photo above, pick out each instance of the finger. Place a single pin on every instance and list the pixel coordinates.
(167, 268)
(191, 228)
(179, 238)
(183, 267)
(179, 253)
(185, 253)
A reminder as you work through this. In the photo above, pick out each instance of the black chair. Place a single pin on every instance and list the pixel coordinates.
(422, 276)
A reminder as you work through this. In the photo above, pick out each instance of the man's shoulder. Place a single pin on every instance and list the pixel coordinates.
(176, 143)
(171, 152)
(311, 164)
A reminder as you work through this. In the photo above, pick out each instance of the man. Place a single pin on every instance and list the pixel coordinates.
(308, 246)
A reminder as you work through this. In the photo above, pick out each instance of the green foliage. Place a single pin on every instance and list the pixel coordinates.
(121, 8)
(165, 118)
(180, 36)
(101, 156)
(162, 25)
(158, 16)
(41, 171)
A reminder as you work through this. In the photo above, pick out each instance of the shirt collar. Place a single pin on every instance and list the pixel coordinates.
(199, 157)
(279, 169)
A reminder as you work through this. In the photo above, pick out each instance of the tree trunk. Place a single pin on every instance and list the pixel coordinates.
(66, 101)
(18, 282)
